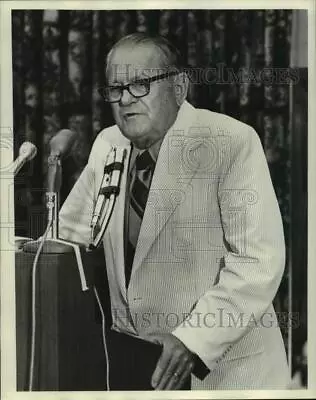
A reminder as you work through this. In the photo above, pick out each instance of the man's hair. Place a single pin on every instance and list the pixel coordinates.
(171, 57)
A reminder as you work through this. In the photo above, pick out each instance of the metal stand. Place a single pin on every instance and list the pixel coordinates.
(52, 245)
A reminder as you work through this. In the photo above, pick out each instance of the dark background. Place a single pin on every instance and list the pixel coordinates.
(58, 63)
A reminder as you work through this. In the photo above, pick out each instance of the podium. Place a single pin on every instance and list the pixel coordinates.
(69, 352)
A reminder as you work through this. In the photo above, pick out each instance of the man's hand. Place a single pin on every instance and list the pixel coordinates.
(174, 365)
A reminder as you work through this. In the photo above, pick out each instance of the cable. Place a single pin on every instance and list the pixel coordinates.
(104, 341)
(33, 332)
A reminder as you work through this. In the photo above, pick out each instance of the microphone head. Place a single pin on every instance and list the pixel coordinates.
(27, 151)
(62, 142)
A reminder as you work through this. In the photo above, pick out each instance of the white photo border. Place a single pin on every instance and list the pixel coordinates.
(8, 343)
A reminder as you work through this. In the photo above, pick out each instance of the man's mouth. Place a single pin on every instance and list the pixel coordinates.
(130, 114)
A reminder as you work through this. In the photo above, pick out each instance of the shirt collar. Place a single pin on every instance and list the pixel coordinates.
(153, 149)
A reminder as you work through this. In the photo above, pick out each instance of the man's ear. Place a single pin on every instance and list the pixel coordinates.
(181, 86)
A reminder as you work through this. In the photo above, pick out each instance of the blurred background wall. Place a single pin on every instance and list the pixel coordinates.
(58, 63)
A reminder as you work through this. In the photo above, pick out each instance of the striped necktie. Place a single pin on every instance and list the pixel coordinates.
(141, 176)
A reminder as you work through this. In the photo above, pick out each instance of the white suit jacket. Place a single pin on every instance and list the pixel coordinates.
(210, 253)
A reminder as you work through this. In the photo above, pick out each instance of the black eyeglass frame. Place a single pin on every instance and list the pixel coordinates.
(146, 82)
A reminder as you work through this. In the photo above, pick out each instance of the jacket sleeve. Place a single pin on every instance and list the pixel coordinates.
(76, 212)
(255, 258)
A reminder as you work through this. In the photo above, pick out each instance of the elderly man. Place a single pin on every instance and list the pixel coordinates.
(194, 249)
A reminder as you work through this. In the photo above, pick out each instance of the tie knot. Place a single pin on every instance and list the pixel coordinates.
(144, 161)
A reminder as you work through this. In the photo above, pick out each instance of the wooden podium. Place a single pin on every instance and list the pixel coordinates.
(69, 352)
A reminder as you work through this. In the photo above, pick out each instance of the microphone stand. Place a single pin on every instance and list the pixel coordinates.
(52, 245)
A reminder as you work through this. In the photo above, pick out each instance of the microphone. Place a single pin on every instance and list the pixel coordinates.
(60, 146)
(108, 192)
(27, 152)
(62, 142)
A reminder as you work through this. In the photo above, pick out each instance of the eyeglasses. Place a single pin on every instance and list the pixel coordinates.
(138, 88)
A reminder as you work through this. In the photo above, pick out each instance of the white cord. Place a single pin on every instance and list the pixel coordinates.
(33, 332)
(104, 341)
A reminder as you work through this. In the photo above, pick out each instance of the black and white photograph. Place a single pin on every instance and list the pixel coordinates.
(155, 198)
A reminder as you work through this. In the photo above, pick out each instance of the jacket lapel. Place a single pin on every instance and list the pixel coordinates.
(168, 186)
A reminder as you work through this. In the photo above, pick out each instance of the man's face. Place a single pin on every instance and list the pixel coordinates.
(142, 120)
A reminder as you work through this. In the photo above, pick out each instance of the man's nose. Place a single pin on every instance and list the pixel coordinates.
(127, 98)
